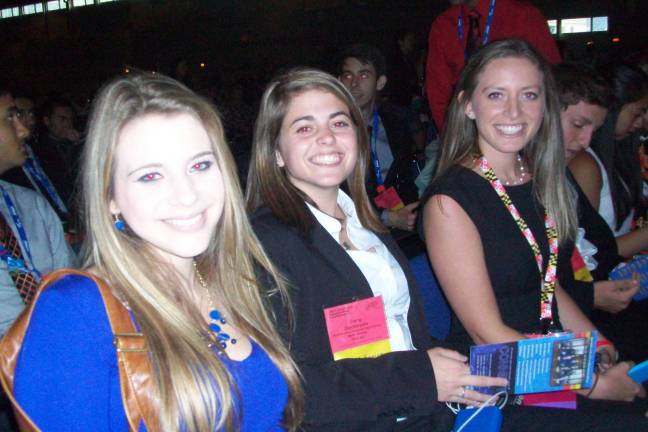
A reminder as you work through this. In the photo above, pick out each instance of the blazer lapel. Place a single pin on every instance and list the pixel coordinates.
(331, 252)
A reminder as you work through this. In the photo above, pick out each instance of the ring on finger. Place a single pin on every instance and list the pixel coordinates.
(463, 392)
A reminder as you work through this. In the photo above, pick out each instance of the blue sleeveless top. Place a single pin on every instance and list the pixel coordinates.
(67, 378)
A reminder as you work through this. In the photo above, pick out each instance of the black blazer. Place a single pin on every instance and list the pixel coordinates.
(350, 394)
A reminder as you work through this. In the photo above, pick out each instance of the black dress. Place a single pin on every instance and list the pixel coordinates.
(510, 263)
(515, 279)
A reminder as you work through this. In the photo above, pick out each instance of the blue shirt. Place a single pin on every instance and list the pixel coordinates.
(45, 235)
(67, 378)
(383, 150)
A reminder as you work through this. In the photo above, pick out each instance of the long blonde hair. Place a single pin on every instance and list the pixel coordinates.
(545, 154)
(268, 184)
(195, 390)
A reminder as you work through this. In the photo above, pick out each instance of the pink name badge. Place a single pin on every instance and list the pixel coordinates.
(389, 199)
(358, 329)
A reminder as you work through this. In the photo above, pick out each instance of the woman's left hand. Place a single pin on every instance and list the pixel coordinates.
(614, 296)
(452, 376)
(615, 384)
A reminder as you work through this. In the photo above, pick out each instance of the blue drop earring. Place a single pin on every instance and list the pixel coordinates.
(119, 223)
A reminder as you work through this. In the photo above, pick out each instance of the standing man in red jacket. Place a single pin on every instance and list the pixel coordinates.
(465, 27)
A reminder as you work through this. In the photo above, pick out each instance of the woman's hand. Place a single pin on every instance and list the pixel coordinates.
(452, 376)
(615, 384)
(614, 296)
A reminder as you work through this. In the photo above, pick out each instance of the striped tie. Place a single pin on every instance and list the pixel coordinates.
(25, 282)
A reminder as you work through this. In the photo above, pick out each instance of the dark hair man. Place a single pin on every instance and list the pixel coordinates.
(31, 236)
(362, 70)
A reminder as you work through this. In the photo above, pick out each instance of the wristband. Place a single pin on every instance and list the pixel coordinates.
(596, 379)
(604, 342)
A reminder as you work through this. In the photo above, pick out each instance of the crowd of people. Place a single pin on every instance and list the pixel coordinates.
(170, 265)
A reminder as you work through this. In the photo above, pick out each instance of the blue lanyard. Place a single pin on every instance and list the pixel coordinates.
(374, 148)
(486, 36)
(37, 176)
(15, 263)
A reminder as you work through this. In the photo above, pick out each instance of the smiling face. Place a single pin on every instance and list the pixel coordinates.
(167, 186)
(317, 143)
(630, 117)
(579, 122)
(507, 105)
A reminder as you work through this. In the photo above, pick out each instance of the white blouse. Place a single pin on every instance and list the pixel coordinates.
(606, 207)
(385, 276)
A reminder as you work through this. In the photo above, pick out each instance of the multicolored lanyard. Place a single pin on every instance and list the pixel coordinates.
(548, 287)
(375, 126)
(487, 29)
(5, 255)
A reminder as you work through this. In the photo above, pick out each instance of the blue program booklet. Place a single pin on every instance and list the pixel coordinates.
(638, 265)
(561, 361)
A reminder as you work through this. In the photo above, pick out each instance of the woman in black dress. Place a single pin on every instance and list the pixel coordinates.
(498, 218)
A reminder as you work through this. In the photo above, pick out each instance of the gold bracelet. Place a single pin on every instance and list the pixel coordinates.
(596, 379)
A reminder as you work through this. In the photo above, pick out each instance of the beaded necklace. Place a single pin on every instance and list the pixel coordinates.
(548, 286)
(522, 174)
(217, 318)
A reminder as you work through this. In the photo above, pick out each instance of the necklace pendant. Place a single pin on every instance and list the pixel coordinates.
(222, 337)
(217, 319)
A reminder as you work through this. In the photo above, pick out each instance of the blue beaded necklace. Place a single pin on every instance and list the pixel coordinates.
(217, 318)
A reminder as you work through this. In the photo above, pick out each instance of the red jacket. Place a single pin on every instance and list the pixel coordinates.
(512, 19)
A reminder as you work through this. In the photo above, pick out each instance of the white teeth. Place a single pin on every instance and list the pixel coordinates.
(509, 130)
(185, 222)
(327, 159)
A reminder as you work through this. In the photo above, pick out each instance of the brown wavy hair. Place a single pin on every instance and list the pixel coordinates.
(544, 154)
(267, 183)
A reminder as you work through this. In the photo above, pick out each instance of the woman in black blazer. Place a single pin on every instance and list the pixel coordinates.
(309, 140)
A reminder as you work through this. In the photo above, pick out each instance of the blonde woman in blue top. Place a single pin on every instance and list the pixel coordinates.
(167, 231)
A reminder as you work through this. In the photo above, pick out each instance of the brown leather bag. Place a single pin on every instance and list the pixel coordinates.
(135, 374)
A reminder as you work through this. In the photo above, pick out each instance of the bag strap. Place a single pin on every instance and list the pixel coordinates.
(135, 373)
(9, 351)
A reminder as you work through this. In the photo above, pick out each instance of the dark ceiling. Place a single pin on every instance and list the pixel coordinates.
(85, 45)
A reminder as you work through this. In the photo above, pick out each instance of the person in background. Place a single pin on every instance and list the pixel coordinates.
(362, 70)
(29, 118)
(468, 25)
(608, 171)
(585, 97)
(32, 242)
(59, 148)
(31, 173)
(403, 85)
